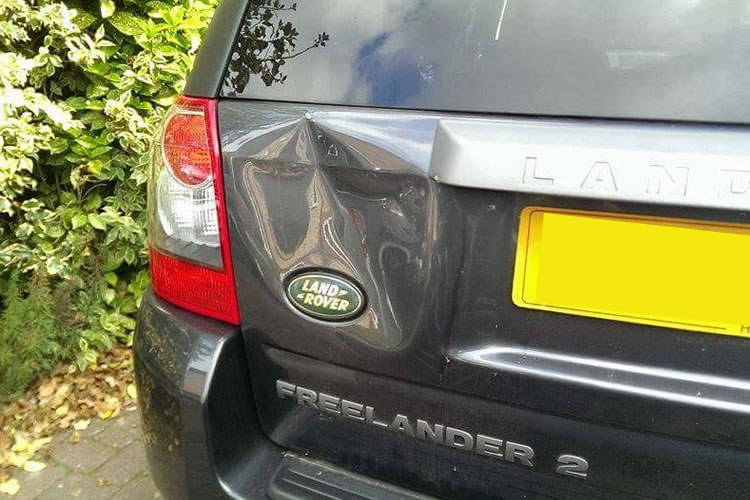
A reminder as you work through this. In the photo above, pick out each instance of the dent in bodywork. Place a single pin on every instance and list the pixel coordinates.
(436, 262)
(349, 192)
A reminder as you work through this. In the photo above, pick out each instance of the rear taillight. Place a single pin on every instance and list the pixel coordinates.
(191, 265)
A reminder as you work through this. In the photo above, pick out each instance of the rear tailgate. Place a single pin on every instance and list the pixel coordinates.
(552, 252)
(423, 211)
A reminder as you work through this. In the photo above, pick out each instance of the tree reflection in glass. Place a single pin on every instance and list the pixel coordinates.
(265, 43)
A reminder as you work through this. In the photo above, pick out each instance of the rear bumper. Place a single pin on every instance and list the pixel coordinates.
(200, 424)
(201, 436)
(204, 438)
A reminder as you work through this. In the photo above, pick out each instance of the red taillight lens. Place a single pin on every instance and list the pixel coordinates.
(191, 265)
(186, 147)
(199, 289)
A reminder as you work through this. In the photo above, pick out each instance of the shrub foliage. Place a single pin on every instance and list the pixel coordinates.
(82, 89)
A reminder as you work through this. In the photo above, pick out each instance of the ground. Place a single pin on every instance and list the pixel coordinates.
(75, 434)
(107, 462)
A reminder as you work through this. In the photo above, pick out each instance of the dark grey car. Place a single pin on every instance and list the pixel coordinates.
(480, 249)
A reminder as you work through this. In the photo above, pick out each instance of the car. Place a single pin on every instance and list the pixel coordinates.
(481, 249)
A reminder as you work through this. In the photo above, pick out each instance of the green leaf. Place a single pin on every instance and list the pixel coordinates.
(157, 9)
(94, 119)
(167, 51)
(97, 222)
(76, 103)
(107, 8)
(165, 99)
(97, 89)
(92, 202)
(111, 278)
(58, 145)
(54, 265)
(128, 323)
(108, 295)
(24, 230)
(84, 19)
(98, 151)
(112, 263)
(5, 205)
(129, 255)
(31, 205)
(55, 231)
(79, 220)
(127, 23)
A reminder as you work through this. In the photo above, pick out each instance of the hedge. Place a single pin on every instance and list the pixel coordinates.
(82, 88)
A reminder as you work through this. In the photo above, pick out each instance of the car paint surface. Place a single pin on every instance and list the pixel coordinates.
(349, 190)
(331, 181)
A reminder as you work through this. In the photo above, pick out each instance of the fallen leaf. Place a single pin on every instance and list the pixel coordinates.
(36, 444)
(105, 414)
(48, 388)
(65, 399)
(81, 425)
(66, 421)
(33, 466)
(101, 482)
(10, 487)
(17, 459)
(62, 410)
(63, 390)
(21, 443)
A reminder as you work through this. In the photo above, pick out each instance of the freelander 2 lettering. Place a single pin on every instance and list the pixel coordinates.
(420, 429)
(445, 435)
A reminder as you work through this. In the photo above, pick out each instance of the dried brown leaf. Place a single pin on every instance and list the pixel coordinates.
(62, 410)
(66, 399)
(48, 388)
(81, 425)
(10, 487)
(34, 466)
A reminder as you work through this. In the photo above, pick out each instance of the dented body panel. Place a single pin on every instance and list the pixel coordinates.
(374, 185)
(354, 192)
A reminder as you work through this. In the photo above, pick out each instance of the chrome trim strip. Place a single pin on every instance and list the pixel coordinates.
(696, 389)
(690, 165)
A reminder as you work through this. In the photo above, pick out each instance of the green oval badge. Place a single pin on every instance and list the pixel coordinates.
(325, 296)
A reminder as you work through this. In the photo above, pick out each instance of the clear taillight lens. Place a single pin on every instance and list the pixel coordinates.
(187, 214)
(190, 261)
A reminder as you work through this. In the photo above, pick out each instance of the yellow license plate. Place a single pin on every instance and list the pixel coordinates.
(686, 274)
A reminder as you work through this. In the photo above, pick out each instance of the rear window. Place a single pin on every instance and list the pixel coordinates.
(667, 59)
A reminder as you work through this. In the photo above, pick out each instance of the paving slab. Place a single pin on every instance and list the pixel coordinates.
(84, 456)
(141, 488)
(109, 461)
(33, 484)
(78, 486)
(127, 465)
(120, 432)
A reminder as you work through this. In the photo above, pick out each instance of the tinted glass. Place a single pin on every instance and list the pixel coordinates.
(666, 59)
